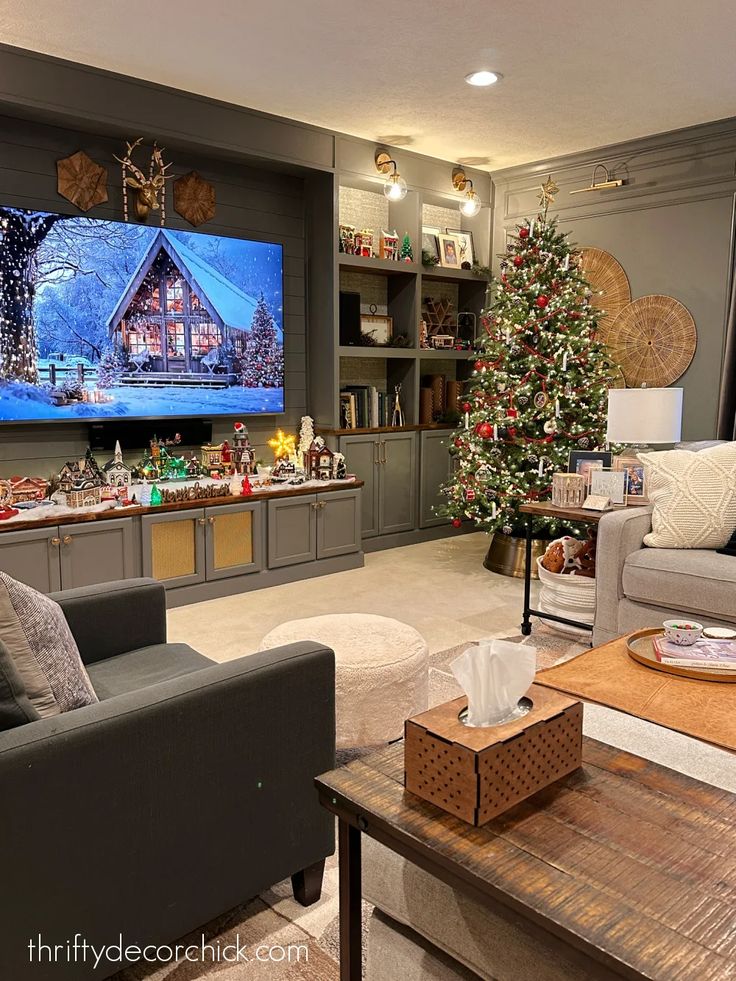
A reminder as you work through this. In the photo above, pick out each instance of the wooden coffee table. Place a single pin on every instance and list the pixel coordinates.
(626, 866)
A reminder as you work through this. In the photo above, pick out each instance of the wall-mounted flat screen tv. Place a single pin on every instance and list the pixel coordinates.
(103, 320)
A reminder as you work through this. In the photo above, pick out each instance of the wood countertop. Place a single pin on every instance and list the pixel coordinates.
(136, 510)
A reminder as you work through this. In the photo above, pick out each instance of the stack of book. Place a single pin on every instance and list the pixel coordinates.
(704, 653)
(364, 407)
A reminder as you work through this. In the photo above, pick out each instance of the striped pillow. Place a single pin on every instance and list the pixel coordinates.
(34, 630)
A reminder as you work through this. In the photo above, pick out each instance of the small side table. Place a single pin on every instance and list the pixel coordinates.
(545, 509)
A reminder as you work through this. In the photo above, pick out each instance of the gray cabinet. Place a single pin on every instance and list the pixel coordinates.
(173, 547)
(386, 462)
(338, 523)
(316, 526)
(32, 557)
(98, 551)
(234, 540)
(435, 469)
(292, 530)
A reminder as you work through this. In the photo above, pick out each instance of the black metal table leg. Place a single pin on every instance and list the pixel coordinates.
(351, 951)
(526, 623)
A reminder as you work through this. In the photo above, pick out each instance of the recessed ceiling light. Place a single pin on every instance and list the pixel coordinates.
(483, 78)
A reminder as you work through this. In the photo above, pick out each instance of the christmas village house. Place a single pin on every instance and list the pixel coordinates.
(320, 461)
(82, 482)
(176, 316)
(28, 489)
(117, 473)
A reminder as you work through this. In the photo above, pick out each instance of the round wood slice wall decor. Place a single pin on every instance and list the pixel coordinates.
(606, 275)
(653, 339)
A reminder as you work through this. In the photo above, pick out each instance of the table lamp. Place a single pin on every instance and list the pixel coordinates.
(639, 417)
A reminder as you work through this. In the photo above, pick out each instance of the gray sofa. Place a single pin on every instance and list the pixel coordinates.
(186, 791)
(639, 587)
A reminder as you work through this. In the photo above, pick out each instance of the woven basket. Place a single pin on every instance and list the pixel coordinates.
(653, 340)
(606, 276)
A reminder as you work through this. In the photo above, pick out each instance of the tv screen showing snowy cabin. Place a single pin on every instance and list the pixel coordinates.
(103, 320)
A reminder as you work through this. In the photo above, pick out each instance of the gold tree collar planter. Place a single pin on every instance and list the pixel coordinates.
(653, 339)
(606, 275)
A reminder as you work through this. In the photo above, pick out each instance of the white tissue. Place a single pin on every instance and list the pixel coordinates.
(494, 676)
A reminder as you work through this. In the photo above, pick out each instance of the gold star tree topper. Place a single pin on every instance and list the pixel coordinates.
(547, 193)
(283, 446)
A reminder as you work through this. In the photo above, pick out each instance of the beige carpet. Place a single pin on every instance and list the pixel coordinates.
(275, 918)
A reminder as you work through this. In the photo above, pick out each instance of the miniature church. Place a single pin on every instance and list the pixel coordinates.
(117, 473)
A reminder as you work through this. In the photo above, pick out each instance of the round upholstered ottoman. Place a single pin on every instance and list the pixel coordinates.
(381, 672)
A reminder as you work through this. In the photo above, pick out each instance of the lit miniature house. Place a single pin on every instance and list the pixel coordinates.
(82, 482)
(243, 454)
(117, 473)
(28, 489)
(211, 458)
(320, 461)
(388, 245)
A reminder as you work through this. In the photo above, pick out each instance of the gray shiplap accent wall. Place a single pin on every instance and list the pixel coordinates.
(251, 203)
(669, 226)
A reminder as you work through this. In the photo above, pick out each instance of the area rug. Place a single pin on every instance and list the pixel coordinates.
(608, 676)
(276, 920)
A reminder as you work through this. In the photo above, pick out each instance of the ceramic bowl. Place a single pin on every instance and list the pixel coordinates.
(683, 632)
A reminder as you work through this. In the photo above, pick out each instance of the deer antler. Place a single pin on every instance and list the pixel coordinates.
(127, 162)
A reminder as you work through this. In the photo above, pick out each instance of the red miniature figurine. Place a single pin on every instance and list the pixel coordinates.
(226, 452)
(247, 487)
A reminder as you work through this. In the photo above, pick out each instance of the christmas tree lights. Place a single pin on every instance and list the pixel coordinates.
(539, 383)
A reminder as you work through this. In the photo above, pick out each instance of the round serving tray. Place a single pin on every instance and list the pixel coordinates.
(641, 649)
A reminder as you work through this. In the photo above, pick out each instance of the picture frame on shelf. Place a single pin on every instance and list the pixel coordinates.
(378, 327)
(634, 480)
(465, 243)
(586, 461)
(609, 483)
(449, 251)
(431, 241)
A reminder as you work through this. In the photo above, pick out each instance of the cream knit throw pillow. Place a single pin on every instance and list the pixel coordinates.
(694, 497)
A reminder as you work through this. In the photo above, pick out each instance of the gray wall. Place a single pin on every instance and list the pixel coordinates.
(251, 203)
(669, 226)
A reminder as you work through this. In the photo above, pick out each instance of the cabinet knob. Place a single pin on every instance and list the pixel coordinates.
(55, 541)
(67, 539)
(210, 521)
(323, 504)
(201, 521)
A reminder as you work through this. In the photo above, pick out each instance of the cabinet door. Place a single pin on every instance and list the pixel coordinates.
(32, 557)
(173, 547)
(338, 523)
(100, 551)
(292, 530)
(361, 457)
(435, 469)
(397, 483)
(234, 540)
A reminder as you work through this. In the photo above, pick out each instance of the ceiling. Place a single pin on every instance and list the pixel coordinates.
(578, 73)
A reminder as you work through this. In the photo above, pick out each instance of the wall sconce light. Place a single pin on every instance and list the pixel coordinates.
(600, 185)
(395, 186)
(471, 203)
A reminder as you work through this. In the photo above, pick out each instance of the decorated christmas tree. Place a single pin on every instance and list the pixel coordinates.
(406, 253)
(112, 365)
(265, 356)
(539, 385)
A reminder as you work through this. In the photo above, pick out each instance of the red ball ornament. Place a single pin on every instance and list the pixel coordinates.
(524, 232)
(458, 443)
(484, 430)
(479, 365)
(456, 522)
(512, 432)
(542, 301)
(518, 261)
(467, 407)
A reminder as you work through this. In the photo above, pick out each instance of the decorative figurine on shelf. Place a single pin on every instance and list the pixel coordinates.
(346, 239)
(211, 458)
(364, 243)
(406, 253)
(284, 470)
(397, 417)
(81, 482)
(156, 497)
(235, 488)
(306, 438)
(226, 455)
(247, 487)
(341, 470)
(423, 336)
(243, 454)
(388, 245)
(158, 463)
(117, 472)
(320, 461)
(283, 445)
(28, 489)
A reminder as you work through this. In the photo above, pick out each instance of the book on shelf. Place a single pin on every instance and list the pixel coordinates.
(704, 653)
(363, 407)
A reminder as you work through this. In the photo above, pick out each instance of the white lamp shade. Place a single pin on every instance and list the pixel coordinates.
(644, 415)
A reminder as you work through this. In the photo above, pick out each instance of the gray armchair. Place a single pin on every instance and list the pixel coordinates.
(186, 791)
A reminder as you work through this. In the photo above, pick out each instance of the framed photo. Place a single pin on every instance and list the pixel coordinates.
(586, 461)
(634, 479)
(465, 244)
(449, 252)
(380, 329)
(609, 483)
(431, 241)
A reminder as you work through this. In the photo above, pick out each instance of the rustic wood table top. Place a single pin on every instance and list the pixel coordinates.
(624, 864)
(546, 509)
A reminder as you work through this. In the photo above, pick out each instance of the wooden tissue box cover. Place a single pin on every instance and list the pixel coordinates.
(477, 774)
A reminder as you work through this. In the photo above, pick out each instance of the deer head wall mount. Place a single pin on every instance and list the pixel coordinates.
(150, 191)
